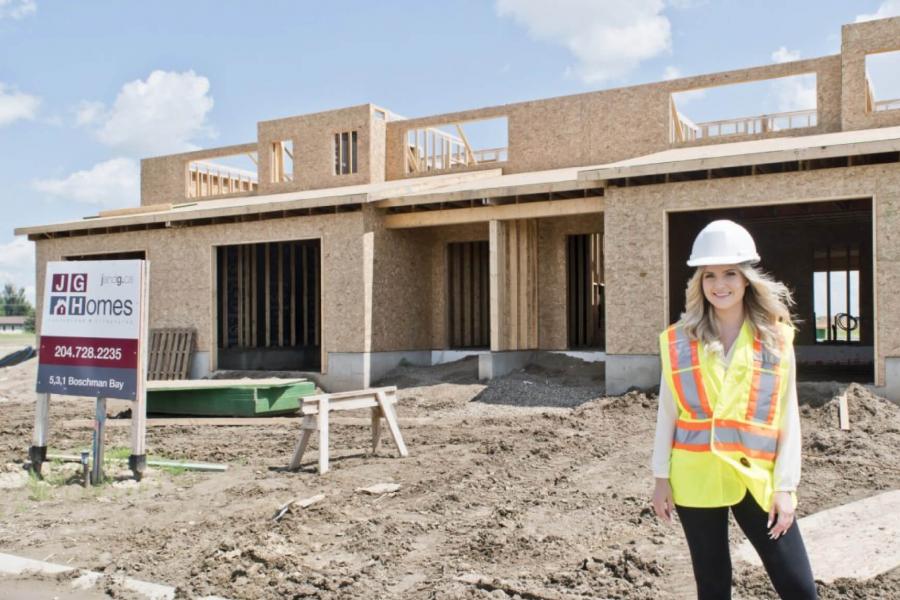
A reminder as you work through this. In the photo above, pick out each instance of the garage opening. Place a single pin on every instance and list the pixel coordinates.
(823, 252)
(268, 304)
(584, 291)
(468, 304)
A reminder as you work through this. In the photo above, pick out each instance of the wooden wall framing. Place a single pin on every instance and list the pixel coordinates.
(269, 295)
(468, 287)
(514, 284)
(584, 291)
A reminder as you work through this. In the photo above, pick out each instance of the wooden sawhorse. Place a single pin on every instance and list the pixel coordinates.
(315, 410)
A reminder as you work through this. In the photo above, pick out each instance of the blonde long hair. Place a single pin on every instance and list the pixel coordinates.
(767, 303)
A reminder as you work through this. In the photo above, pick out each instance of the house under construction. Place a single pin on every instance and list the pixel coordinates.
(350, 240)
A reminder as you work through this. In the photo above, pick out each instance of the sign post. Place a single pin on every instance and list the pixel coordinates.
(93, 338)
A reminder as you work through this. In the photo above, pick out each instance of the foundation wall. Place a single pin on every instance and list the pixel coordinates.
(636, 241)
(182, 276)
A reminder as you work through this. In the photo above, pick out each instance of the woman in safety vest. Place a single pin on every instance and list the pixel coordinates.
(728, 427)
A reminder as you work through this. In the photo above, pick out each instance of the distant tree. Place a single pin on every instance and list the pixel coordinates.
(29, 322)
(13, 302)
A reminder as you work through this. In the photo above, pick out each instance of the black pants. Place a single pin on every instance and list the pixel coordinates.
(785, 560)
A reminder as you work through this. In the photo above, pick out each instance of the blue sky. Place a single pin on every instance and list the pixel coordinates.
(87, 88)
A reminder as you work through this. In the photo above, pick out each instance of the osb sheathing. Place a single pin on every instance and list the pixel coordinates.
(635, 244)
(314, 153)
(182, 276)
(858, 40)
(401, 286)
(552, 310)
(611, 125)
(164, 178)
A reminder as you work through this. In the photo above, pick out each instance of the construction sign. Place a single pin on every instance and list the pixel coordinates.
(91, 330)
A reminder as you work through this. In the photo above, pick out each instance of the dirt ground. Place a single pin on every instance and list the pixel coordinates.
(535, 486)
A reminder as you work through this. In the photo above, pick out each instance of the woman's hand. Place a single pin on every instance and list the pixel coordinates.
(663, 503)
(781, 514)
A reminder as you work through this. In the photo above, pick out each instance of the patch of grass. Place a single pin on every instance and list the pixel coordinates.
(117, 452)
(38, 490)
(17, 339)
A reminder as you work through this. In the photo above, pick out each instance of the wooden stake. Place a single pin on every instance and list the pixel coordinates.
(844, 412)
(323, 435)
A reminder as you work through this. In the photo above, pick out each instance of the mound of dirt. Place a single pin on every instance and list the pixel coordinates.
(874, 425)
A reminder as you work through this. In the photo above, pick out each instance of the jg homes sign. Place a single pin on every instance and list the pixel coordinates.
(91, 329)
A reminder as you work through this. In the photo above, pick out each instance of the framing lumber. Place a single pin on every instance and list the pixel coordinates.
(531, 210)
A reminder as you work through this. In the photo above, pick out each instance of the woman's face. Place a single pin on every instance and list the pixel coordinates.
(724, 286)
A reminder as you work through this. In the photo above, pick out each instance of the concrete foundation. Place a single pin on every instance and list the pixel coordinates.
(497, 364)
(625, 371)
(199, 365)
(891, 387)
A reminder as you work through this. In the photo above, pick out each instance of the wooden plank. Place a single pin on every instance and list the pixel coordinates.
(486, 294)
(457, 294)
(477, 250)
(254, 287)
(309, 425)
(239, 293)
(512, 249)
(498, 287)
(466, 277)
(293, 307)
(305, 292)
(387, 409)
(267, 296)
(317, 294)
(223, 293)
(376, 427)
(281, 295)
(323, 435)
(844, 412)
(480, 214)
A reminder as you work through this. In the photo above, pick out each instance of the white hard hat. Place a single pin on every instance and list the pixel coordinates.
(723, 243)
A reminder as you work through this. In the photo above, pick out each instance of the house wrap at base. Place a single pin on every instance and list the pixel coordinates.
(354, 239)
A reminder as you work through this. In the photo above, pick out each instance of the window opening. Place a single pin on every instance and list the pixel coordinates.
(237, 173)
(345, 153)
(283, 161)
(457, 145)
(882, 83)
(785, 102)
(836, 293)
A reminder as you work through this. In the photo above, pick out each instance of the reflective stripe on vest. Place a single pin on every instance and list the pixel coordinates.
(684, 357)
(765, 385)
(729, 436)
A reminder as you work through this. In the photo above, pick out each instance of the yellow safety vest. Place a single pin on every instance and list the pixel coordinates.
(726, 435)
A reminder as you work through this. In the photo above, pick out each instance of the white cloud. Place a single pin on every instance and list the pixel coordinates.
(163, 114)
(795, 93)
(783, 55)
(116, 183)
(888, 8)
(89, 112)
(17, 265)
(17, 9)
(609, 38)
(15, 105)
(671, 73)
